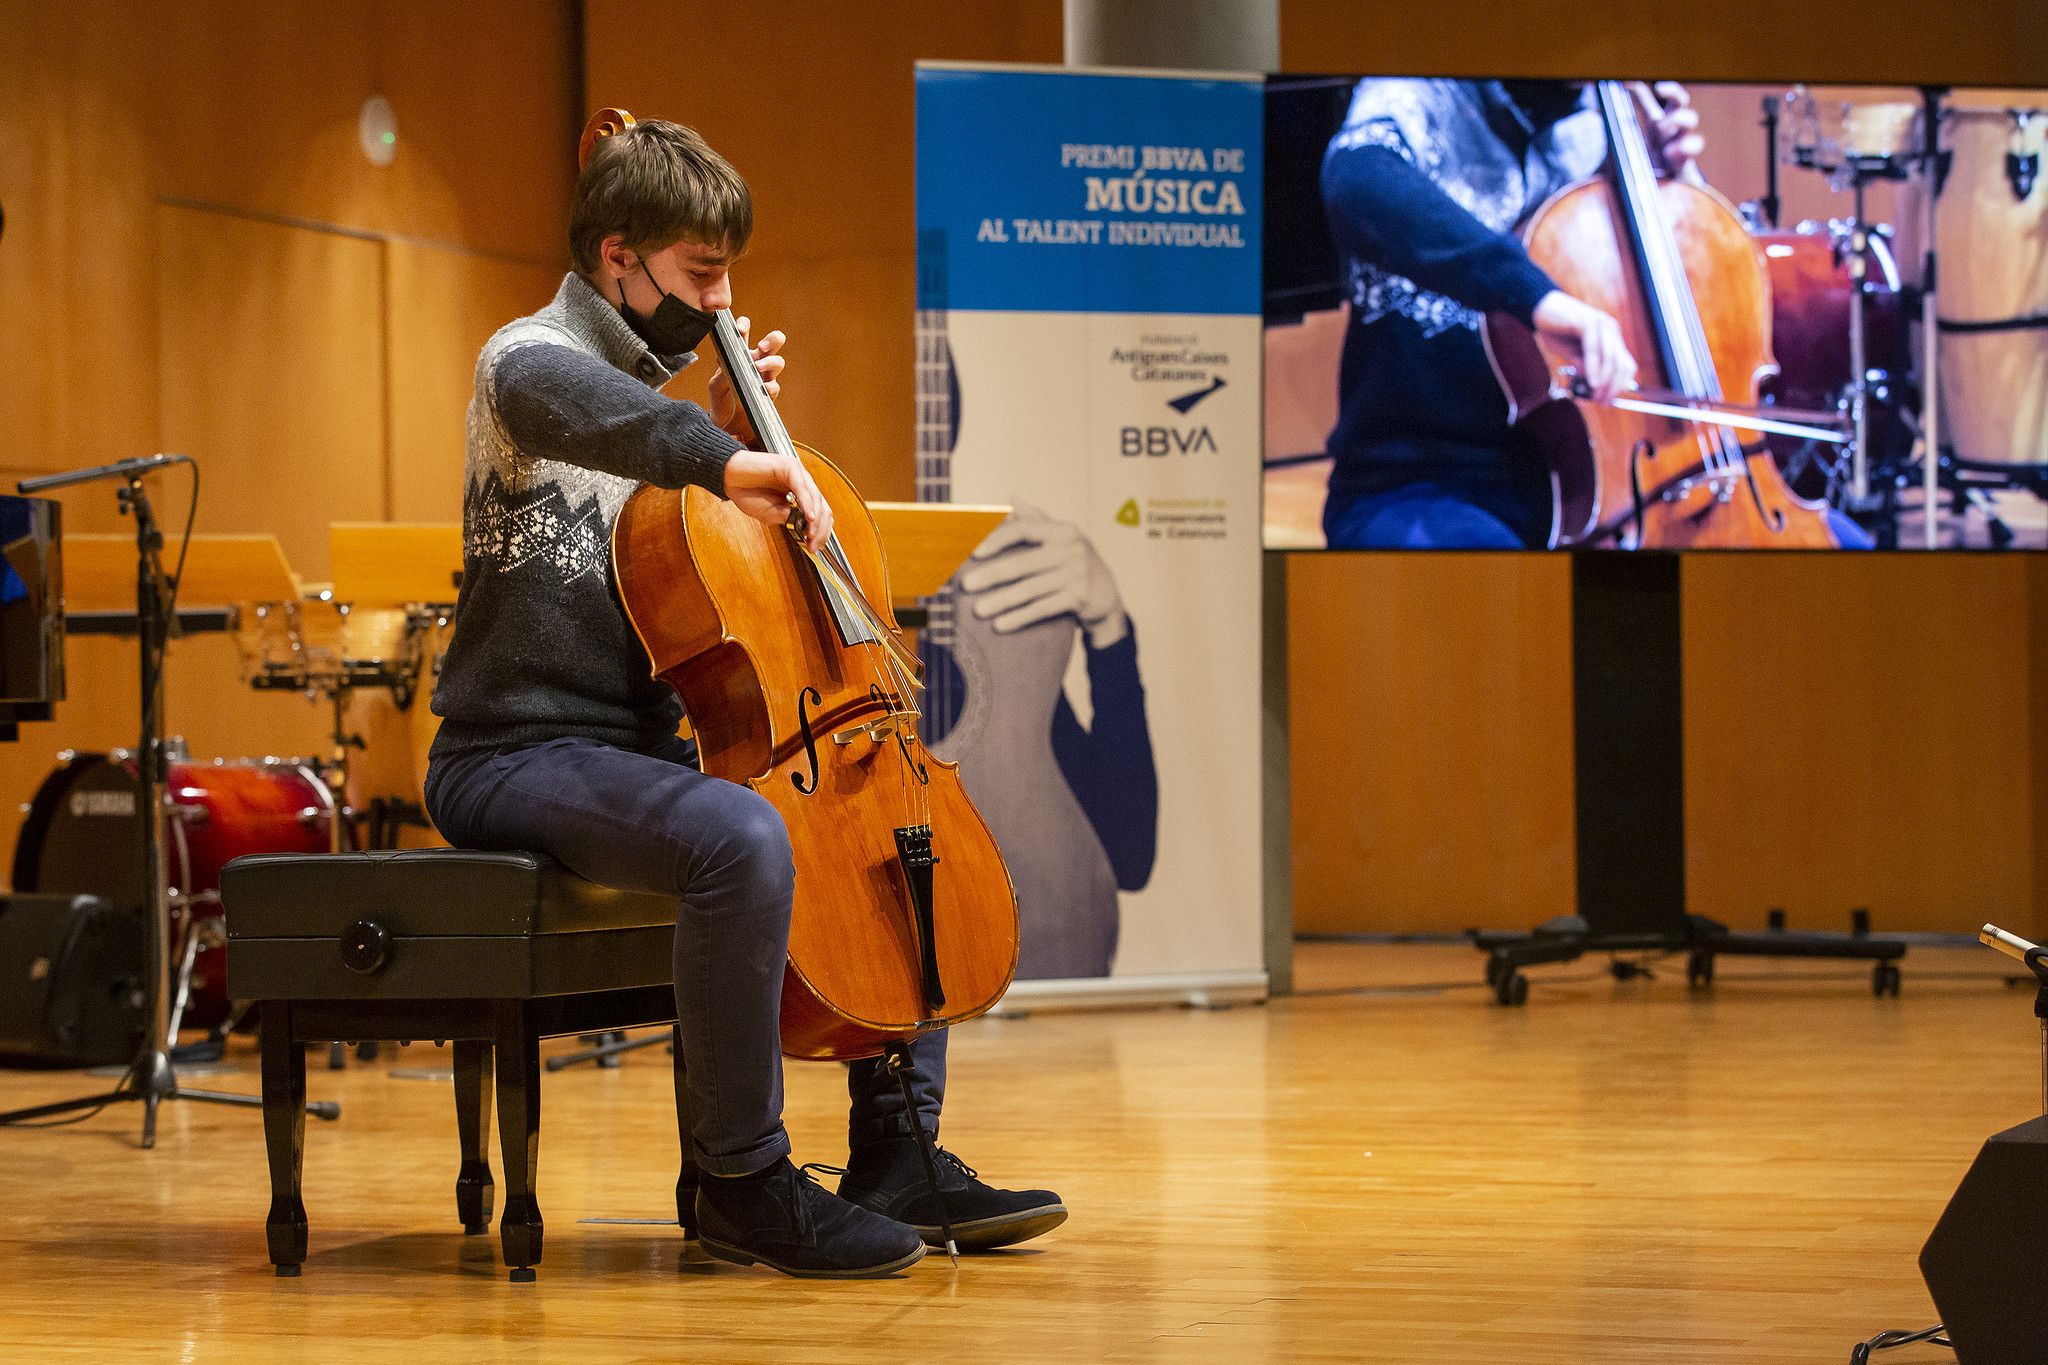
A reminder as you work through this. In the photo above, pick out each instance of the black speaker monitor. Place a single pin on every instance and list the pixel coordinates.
(71, 981)
(1986, 1263)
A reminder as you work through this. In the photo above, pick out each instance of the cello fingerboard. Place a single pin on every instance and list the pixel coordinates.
(735, 356)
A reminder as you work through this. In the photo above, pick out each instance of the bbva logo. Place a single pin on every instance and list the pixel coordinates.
(1159, 441)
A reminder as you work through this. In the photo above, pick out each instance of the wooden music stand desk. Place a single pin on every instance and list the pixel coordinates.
(926, 542)
(220, 571)
(394, 564)
(386, 564)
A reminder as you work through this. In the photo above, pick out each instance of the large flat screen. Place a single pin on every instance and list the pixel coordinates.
(1635, 314)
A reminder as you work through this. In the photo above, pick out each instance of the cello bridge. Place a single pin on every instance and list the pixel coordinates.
(879, 729)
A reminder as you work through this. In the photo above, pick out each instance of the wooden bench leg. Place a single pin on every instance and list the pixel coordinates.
(518, 1048)
(686, 1180)
(284, 1136)
(473, 1188)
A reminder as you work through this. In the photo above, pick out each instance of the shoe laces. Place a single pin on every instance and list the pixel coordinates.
(943, 1155)
(806, 1220)
(941, 1158)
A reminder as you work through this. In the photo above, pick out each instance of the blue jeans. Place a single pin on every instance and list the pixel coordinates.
(649, 821)
(1416, 516)
(1424, 516)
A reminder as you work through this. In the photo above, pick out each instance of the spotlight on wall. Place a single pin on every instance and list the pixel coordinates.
(377, 129)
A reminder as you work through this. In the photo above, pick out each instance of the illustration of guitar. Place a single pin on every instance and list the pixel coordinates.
(996, 698)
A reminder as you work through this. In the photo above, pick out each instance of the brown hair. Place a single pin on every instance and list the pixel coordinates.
(655, 184)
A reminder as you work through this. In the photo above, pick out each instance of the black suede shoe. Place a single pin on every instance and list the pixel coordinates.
(888, 1177)
(785, 1220)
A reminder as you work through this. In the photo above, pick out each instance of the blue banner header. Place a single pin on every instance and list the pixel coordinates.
(1046, 191)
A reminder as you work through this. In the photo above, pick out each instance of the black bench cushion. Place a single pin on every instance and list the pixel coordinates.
(446, 924)
(427, 892)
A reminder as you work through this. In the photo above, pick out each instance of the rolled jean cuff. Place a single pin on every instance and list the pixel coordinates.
(757, 1157)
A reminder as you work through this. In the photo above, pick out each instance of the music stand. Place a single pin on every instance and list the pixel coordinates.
(924, 545)
(151, 1079)
(394, 564)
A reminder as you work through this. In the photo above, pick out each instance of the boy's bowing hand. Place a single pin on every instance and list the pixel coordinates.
(760, 484)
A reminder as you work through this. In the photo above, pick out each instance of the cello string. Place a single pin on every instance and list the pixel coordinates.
(1663, 273)
(1696, 354)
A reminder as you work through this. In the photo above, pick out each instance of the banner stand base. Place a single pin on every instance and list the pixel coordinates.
(1205, 990)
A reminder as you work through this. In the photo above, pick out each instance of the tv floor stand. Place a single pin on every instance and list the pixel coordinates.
(1628, 741)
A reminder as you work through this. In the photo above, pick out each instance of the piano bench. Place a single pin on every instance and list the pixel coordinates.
(491, 952)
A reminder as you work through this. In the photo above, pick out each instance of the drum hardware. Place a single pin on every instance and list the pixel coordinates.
(2022, 167)
(329, 649)
(1763, 213)
(151, 1078)
(1872, 146)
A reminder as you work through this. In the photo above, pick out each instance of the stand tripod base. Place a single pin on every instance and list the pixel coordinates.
(152, 1082)
(606, 1053)
(1704, 940)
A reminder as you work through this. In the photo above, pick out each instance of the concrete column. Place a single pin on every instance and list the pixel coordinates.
(1187, 35)
(1220, 35)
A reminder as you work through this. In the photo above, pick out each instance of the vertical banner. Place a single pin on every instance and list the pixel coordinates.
(1089, 354)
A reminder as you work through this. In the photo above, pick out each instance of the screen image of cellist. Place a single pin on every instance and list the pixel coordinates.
(1529, 314)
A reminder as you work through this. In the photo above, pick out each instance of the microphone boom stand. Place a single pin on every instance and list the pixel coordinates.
(151, 1080)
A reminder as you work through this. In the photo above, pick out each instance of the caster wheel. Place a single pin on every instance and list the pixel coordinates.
(1885, 980)
(524, 1274)
(1512, 988)
(1699, 970)
(1494, 967)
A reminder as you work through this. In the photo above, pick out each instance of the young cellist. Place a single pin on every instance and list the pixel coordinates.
(556, 738)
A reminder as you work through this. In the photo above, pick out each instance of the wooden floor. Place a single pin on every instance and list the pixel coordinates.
(1617, 1172)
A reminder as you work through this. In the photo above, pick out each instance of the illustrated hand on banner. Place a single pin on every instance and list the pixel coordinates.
(1034, 567)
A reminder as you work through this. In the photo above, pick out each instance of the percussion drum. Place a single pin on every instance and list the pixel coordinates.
(83, 834)
(318, 644)
(272, 644)
(1811, 289)
(1991, 232)
(398, 726)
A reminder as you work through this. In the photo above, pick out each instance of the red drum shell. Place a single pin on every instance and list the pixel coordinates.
(1810, 297)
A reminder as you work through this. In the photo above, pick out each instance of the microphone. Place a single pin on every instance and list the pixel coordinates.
(2012, 945)
(119, 469)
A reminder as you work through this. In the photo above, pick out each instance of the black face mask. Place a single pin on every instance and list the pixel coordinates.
(676, 327)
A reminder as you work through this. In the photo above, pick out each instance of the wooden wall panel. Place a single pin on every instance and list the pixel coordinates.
(270, 347)
(263, 98)
(272, 372)
(77, 267)
(440, 307)
(1430, 698)
(1856, 735)
(1887, 40)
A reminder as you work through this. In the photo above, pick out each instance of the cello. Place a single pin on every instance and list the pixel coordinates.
(798, 685)
(1664, 466)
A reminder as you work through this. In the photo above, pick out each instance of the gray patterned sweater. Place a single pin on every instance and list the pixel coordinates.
(565, 423)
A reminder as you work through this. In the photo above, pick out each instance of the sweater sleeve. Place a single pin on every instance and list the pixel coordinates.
(560, 404)
(1385, 210)
(1109, 765)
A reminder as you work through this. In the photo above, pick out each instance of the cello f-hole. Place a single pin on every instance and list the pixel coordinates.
(804, 700)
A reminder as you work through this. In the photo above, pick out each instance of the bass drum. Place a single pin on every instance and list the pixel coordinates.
(83, 835)
(1811, 295)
